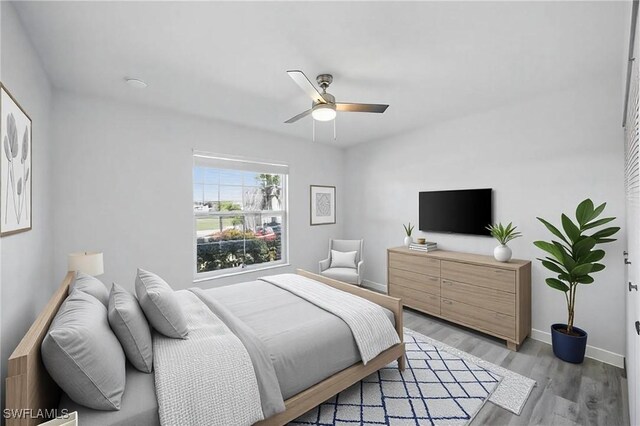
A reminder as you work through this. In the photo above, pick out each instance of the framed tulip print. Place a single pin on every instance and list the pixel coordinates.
(15, 166)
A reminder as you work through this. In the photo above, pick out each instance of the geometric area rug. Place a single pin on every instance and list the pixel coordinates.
(513, 391)
(437, 387)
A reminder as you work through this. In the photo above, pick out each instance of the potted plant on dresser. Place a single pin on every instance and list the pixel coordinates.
(408, 229)
(574, 259)
(503, 234)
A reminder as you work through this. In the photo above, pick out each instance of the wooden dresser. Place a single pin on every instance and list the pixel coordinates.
(469, 289)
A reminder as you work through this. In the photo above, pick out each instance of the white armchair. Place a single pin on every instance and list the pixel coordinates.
(349, 275)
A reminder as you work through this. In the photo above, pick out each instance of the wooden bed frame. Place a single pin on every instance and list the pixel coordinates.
(30, 389)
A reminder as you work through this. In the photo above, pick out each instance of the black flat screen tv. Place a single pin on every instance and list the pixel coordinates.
(466, 211)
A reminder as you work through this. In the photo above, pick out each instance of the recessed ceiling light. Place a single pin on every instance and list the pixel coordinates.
(134, 82)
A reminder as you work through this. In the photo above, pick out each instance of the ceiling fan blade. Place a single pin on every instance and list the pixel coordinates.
(306, 86)
(299, 116)
(349, 107)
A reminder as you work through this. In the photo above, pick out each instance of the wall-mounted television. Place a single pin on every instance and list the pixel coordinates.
(466, 211)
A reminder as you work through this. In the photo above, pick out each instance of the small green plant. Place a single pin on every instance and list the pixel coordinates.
(504, 234)
(408, 229)
(573, 259)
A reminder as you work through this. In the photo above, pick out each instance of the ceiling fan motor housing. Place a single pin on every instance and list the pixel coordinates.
(324, 80)
(328, 97)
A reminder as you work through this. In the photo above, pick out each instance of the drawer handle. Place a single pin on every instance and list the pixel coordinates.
(446, 282)
(448, 302)
(498, 271)
(433, 278)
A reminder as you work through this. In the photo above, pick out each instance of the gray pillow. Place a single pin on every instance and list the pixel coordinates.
(160, 305)
(82, 354)
(90, 285)
(131, 328)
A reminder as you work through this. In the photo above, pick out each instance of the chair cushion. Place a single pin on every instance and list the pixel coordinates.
(82, 354)
(131, 328)
(348, 245)
(348, 275)
(160, 305)
(90, 285)
(341, 259)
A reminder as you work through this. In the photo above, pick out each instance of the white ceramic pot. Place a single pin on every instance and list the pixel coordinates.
(502, 253)
(408, 240)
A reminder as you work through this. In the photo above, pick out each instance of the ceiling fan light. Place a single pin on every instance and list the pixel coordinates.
(324, 112)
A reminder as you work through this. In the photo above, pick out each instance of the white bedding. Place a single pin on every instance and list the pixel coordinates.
(207, 379)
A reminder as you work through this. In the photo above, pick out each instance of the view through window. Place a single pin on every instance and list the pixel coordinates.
(239, 214)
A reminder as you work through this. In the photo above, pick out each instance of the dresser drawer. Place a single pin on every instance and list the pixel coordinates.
(414, 281)
(487, 298)
(484, 276)
(482, 319)
(422, 301)
(419, 264)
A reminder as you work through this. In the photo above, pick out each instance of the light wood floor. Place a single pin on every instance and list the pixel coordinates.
(592, 393)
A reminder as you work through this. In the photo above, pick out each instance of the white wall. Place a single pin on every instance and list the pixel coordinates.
(123, 179)
(541, 156)
(26, 257)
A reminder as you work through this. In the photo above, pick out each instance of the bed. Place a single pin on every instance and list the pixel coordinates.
(323, 362)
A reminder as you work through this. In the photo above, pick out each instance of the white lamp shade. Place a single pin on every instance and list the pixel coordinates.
(87, 262)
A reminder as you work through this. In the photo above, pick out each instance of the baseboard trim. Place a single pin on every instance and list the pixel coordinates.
(381, 288)
(592, 352)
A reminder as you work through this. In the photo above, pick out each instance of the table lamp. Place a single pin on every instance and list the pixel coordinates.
(88, 262)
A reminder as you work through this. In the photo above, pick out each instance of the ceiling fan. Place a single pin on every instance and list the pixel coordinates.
(324, 105)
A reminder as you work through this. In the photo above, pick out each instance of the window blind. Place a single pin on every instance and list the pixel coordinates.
(236, 163)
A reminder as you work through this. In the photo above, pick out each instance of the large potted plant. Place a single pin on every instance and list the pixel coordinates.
(574, 259)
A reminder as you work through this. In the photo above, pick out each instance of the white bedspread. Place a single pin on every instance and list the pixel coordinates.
(207, 379)
(371, 328)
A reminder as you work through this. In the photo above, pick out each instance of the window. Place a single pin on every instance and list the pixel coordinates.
(240, 215)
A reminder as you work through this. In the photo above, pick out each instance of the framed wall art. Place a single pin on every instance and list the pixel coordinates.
(15, 166)
(323, 205)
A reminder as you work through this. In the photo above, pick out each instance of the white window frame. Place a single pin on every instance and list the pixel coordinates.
(202, 157)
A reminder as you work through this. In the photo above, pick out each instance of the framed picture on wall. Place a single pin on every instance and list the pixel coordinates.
(15, 166)
(323, 205)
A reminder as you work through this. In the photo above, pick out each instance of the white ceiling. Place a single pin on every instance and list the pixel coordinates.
(430, 61)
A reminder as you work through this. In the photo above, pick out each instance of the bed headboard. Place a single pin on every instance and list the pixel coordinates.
(29, 388)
